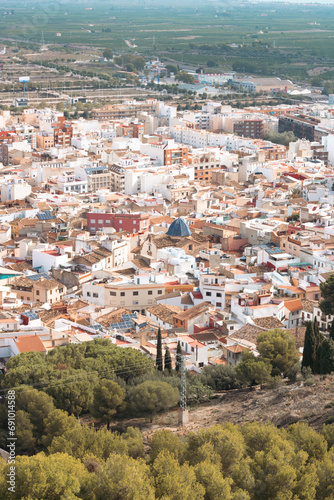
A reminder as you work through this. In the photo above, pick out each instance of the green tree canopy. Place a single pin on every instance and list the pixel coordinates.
(184, 77)
(327, 356)
(108, 54)
(251, 371)
(175, 481)
(278, 348)
(151, 397)
(122, 477)
(108, 397)
(168, 360)
(178, 356)
(43, 477)
(327, 294)
(166, 440)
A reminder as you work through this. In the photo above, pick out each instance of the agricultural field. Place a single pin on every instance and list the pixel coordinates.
(286, 40)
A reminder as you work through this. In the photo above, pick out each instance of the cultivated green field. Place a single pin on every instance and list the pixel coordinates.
(275, 38)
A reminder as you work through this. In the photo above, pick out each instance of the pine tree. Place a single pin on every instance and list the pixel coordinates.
(178, 357)
(159, 361)
(168, 360)
(331, 333)
(327, 356)
(309, 352)
(318, 341)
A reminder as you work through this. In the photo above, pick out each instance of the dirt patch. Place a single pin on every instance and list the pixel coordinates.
(188, 37)
(282, 406)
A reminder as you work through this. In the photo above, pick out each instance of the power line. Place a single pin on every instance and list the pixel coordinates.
(67, 380)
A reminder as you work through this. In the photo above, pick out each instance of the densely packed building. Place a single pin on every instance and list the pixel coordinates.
(144, 217)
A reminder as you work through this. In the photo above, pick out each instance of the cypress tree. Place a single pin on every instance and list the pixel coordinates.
(168, 360)
(159, 361)
(309, 352)
(318, 341)
(331, 333)
(178, 357)
(327, 356)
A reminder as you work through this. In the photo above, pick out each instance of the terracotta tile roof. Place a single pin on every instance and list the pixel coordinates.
(29, 343)
(211, 335)
(165, 313)
(193, 311)
(293, 305)
(113, 317)
(235, 348)
(308, 305)
(268, 322)
(247, 332)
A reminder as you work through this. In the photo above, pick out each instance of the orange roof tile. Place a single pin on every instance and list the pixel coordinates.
(293, 305)
(28, 343)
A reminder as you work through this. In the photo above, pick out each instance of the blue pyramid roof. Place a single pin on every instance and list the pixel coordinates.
(179, 229)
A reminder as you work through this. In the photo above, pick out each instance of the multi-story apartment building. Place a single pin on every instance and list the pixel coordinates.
(45, 140)
(135, 295)
(62, 132)
(97, 178)
(132, 223)
(117, 182)
(166, 153)
(131, 130)
(302, 126)
(117, 112)
(15, 189)
(252, 128)
(205, 162)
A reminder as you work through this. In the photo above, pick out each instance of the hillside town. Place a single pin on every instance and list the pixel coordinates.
(143, 218)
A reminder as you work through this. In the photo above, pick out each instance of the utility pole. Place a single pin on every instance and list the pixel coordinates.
(183, 415)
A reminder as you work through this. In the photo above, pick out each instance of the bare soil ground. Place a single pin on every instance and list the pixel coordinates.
(282, 406)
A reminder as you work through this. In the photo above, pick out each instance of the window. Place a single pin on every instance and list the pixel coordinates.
(134, 222)
(37, 292)
(150, 292)
(113, 294)
(100, 221)
(218, 304)
(208, 294)
(92, 221)
(122, 294)
(95, 295)
(218, 294)
(134, 293)
(120, 221)
(159, 292)
(108, 222)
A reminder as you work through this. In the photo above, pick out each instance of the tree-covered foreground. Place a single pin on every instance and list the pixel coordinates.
(61, 457)
(256, 461)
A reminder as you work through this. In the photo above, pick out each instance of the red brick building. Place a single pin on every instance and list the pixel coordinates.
(131, 223)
